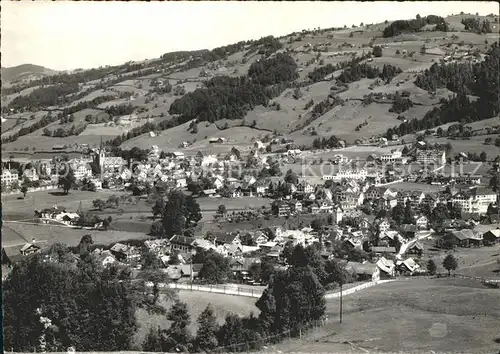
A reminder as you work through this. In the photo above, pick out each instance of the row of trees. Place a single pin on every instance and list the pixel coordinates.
(324, 143)
(44, 97)
(320, 72)
(475, 25)
(408, 26)
(357, 72)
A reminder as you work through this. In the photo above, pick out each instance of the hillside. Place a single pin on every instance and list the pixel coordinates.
(417, 316)
(337, 81)
(24, 72)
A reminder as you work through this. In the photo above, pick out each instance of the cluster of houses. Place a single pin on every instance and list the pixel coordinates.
(350, 195)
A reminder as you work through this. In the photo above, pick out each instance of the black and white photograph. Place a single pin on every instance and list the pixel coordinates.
(215, 177)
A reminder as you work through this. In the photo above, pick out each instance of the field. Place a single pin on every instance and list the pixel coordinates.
(478, 262)
(170, 139)
(474, 144)
(419, 315)
(18, 234)
(32, 143)
(197, 302)
(47, 199)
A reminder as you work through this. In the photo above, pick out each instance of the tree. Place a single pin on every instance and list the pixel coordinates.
(99, 204)
(177, 337)
(152, 342)
(67, 179)
(206, 335)
(317, 224)
(66, 295)
(181, 212)
(215, 269)
(431, 267)
(149, 260)
(293, 297)
(24, 189)
(221, 210)
(483, 156)
(450, 263)
(377, 51)
(157, 228)
(291, 177)
(158, 208)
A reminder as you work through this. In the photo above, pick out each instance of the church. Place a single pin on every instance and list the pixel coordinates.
(105, 163)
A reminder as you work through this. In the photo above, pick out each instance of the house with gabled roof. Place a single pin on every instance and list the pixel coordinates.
(181, 243)
(125, 253)
(407, 267)
(227, 238)
(365, 271)
(383, 224)
(421, 222)
(467, 238)
(387, 268)
(416, 248)
(491, 237)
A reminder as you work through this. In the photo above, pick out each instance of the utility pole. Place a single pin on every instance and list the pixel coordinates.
(340, 302)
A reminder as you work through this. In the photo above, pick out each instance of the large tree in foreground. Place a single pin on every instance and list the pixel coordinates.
(65, 293)
(206, 339)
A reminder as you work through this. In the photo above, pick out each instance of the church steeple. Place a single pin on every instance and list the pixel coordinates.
(101, 145)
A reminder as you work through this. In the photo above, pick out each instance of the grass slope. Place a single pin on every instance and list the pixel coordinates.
(419, 315)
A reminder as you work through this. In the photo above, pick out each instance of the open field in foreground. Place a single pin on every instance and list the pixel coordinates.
(196, 302)
(417, 315)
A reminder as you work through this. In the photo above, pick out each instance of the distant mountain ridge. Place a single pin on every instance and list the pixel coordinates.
(24, 71)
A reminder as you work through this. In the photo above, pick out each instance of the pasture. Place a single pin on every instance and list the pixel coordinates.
(65, 235)
(417, 315)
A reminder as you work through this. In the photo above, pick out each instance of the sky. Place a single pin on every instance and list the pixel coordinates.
(65, 35)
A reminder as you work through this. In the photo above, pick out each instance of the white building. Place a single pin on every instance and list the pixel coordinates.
(347, 174)
(9, 177)
(81, 170)
(475, 200)
(208, 160)
(431, 156)
(395, 155)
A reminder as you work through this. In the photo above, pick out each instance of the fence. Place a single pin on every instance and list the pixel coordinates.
(220, 289)
(44, 188)
(481, 279)
(355, 289)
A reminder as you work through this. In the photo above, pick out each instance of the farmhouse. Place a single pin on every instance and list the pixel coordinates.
(363, 271)
(467, 238)
(14, 253)
(491, 237)
(415, 248)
